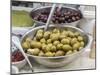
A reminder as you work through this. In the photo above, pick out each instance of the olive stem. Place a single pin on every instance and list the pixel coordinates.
(59, 7)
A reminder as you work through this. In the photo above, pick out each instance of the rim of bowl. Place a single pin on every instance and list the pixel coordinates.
(17, 62)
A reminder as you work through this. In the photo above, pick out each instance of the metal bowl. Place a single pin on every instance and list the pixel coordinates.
(60, 60)
(36, 11)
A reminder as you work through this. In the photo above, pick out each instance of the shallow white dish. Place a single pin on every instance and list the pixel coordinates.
(14, 70)
(19, 64)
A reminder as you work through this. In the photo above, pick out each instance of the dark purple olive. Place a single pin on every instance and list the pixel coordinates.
(62, 19)
(68, 12)
(69, 21)
(45, 12)
(76, 14)
(56, 18)
(77, 17)
(73, 18)
(56, 21)
(58, 14)
(66, 17)
(35, 18)
(62, 15)
(45, 20)
(65, 14)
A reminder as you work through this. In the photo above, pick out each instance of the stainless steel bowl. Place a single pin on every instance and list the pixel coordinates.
(61, 60)
(36, 11)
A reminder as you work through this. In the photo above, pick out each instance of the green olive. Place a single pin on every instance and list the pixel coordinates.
(34, 51)
(53, 53)
(69, 38)
(65, 41)
(30, 51)
(26, 45)
(73, 41)
(54, 37)
(40, 31)
(41, 53)
(49, 41)
(82, 44)
(59, 53)
(62, 36)
(49, 54)
(80, 48)
(56, 43)
(74, 51)
(50, 45)
(46, 34)
(59, 46)
(53, 48)
(80, 38)
(64, 32)
(44, 47)
(67, 47)
(35, 44)
(43, 40)
(71, 34)
(69, 52)
(76, 46)
(39, 36)
(28, 40)
(76, 34)
(47, 49)
(56, 30)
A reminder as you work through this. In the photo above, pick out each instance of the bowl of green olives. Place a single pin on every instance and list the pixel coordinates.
(67, 15)
(55, 47)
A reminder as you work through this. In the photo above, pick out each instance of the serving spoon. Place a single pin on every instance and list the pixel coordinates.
(59, 7)
(50, 16)
(16, 41)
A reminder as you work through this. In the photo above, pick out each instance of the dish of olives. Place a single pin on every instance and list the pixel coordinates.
(62, 16)
(53, 43)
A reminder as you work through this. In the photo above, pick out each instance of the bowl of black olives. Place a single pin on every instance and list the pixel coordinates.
(66, 15)
(55, 47)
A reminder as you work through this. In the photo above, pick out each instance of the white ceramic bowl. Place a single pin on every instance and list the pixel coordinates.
(19, 64)
(14, 70)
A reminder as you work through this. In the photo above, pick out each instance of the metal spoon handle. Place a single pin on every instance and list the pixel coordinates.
(50, 16)
(59, 7)
(18, 45)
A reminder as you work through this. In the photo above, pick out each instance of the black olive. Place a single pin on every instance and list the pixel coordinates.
(36, 18)
(77, 17)
(56, 21)
(62, 19)
(66, 17)
(45, 20)
(58, 14)
(65, 14)
(69, 21)
(73, 18)
(68, 12)
(45, 12)
(62, 15)
(76, 14)
(56, 18)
